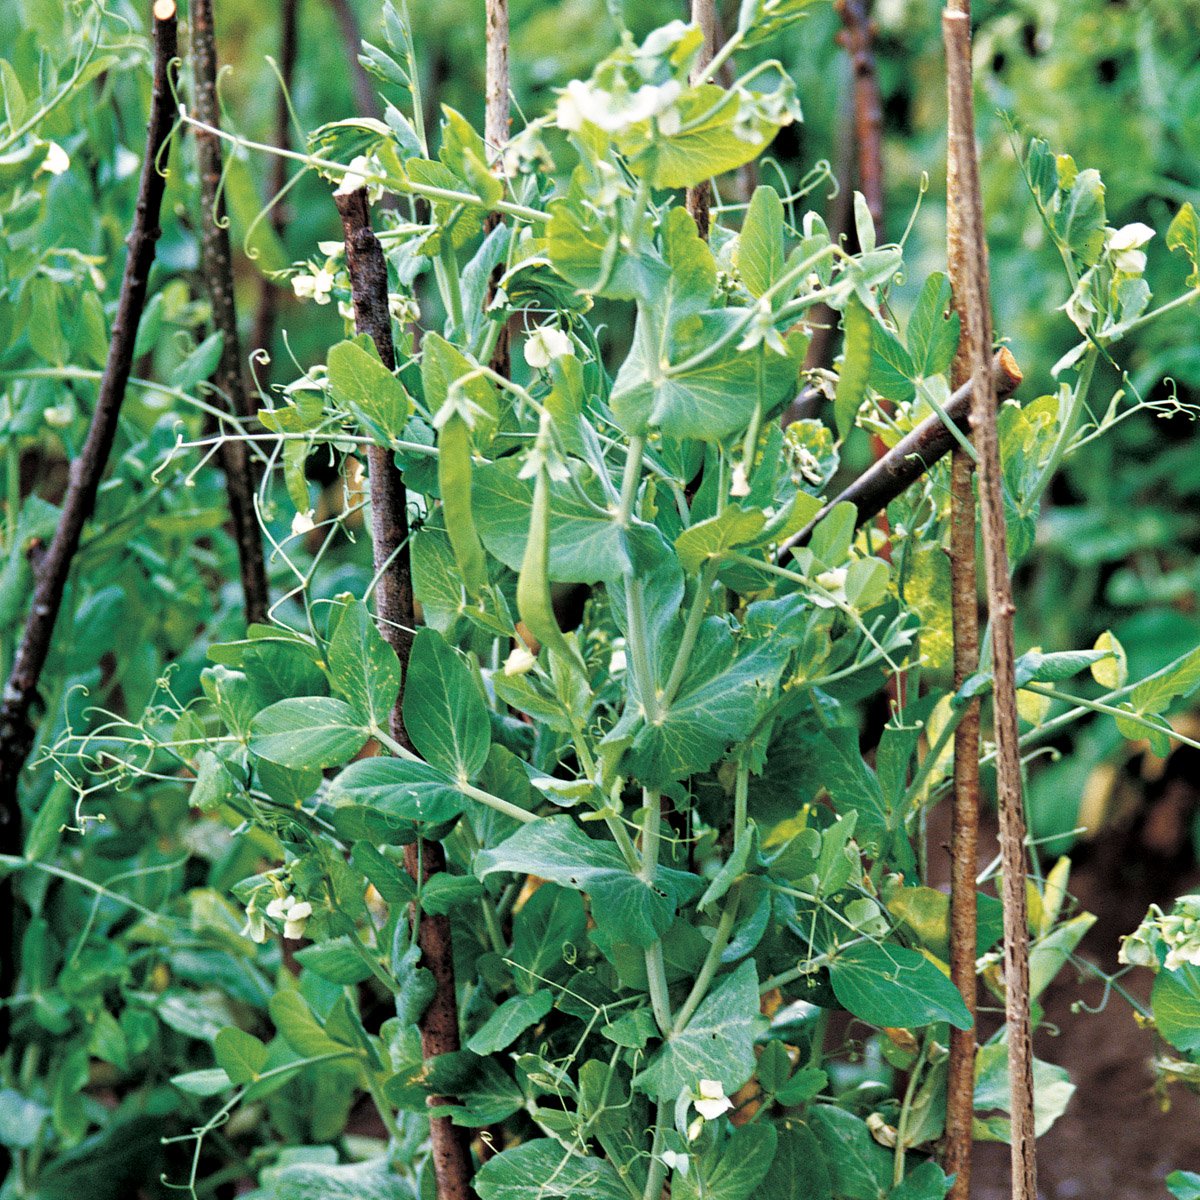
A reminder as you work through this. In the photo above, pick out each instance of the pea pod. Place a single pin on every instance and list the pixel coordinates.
(533, 583)
(856, 365)
(454, 480)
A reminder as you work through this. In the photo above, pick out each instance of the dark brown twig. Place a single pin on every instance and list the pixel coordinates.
(366, 99)
(973, 298)
(912, 456)
(217, 261)
(268, 289)
(857, 36)
(16, 727)
(394, 604)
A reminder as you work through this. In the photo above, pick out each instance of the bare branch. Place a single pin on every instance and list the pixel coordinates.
(858, 38)
(218, 274)
(54, 568)
(912, 456)
(394, 603)
(497, 120)
(969, 249)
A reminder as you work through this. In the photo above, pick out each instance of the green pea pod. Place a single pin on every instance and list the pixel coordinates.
(454, 479)
(856, 365)
(533, 583)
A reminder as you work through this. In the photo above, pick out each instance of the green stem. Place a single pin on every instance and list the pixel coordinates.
(656, 1171)
(712, 960)
(905, 1110)
(1109, 710)
(655, 970)
(1063, 444)
(447, 276)
(691, 630)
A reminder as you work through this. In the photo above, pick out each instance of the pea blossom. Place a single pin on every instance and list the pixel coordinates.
(711, 1101)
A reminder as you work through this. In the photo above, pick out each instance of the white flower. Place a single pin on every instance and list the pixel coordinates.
(739, 485)
(356, 177)
(583, 101)
(673, 1160)
(255, 928)
(618, 662)
(57, 160)
(59, 415)
(520, 661)
(316, 286)
(545, 343)
(1124, 247)
(297, 919)
(345, 310)
(403, 308)
(833, 581)
(881, 1131)
(711, 1100)
(292, 912)
(303, 523)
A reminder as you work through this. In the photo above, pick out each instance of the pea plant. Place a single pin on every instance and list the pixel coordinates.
(600, 802)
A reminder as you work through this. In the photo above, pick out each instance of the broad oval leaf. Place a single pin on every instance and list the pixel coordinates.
(313, 731)
(398, 788)
(891, 986)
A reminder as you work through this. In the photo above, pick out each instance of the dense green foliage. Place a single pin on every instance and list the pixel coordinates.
(682, 837)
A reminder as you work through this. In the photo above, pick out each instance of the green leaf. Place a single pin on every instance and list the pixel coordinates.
(926, 1182)
(799, 1171)
(199, 364)
(852, 785)
(624, 905)
(933, 328)
(398, 788)
(1155, 694)
(1080, 219)
(717, 1043)
(542, 1170)
(586, 546)
(732, 1171)
(1184, 234)
(550, 926)
(856, 365)
(717, 704)
(335, 960)
(1175, 1000)
(363, 667)
(444, 713)
(211, 1082)
(509, 1021)
(296, 1024)
(733, 527)
(1052, 1092)
(485, 1092)
(760, 257)
(1036, 667)
(374, 1179)
(240, 1054)
(860, 1168)
(316, 731)
(371, 392)
(890, 986)
(1184, 1185)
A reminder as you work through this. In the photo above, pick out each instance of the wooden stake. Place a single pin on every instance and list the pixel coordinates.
(217, 261)
(397, 617)
(968, 257)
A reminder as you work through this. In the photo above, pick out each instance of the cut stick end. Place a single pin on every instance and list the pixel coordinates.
(164, 10)
(1008, 374)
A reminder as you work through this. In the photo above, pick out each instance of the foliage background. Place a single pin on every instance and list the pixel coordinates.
(1118, 84)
